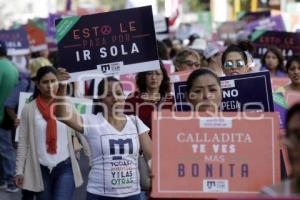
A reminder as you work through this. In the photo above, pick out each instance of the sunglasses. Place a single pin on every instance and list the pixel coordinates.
(237, 63)
(191, 63)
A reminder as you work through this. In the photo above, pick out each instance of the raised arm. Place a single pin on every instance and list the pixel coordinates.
(64, 109)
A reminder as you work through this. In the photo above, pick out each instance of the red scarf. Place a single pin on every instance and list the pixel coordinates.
(47, 113)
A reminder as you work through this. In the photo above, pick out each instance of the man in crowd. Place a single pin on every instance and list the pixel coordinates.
(8, 80)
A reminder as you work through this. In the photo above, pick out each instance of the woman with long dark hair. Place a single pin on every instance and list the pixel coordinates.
(46, 161)
(153, 94)
(115, 140)
(273, 61)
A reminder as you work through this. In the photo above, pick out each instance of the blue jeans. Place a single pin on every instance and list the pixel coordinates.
(59, 184)
(7, 156)
(90, 196)
(144, 195)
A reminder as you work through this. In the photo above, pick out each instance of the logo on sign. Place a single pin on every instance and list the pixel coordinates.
(215, 185)
(227, 84)
(105, 68)
(110, 68)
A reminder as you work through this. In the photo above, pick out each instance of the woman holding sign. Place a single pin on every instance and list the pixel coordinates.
(115, 140)
(46, 161)
(203, 91)
(291, 186)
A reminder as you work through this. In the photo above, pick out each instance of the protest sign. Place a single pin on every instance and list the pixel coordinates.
(247, 92)
(36, 35)
(168, 65)
(292, 98)
(274, 23)
(185, 30)
(291, 21)
(280, 106)
(288, 42)
(214, 156)
(253, 16)
(244, 92)
(16, 41)
(205, 19)
(279, 82)
(227, 31)
(180, 76)
(50, 31)
(107, 44)
(83, 106)
(88, 10)
(161, 24)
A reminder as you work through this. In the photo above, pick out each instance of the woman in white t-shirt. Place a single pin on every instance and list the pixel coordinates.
(115, 140)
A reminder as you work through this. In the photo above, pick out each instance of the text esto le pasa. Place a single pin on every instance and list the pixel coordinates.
(100, 36)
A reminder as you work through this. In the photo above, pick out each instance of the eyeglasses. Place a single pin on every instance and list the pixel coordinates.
(237, 63)
(191, 63)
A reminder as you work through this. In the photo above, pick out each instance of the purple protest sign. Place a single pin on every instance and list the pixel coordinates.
(50, 31)
(253, 16)
(280, 106)
(107, 44)
(288, 42)
(228, 30)
(16, 41)
(272, 24)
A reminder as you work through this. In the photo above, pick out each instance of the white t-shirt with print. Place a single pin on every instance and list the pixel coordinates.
(114, 171)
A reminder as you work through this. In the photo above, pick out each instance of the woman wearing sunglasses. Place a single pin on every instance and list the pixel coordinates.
(234, 61)
(187, 60)
(291, 186)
